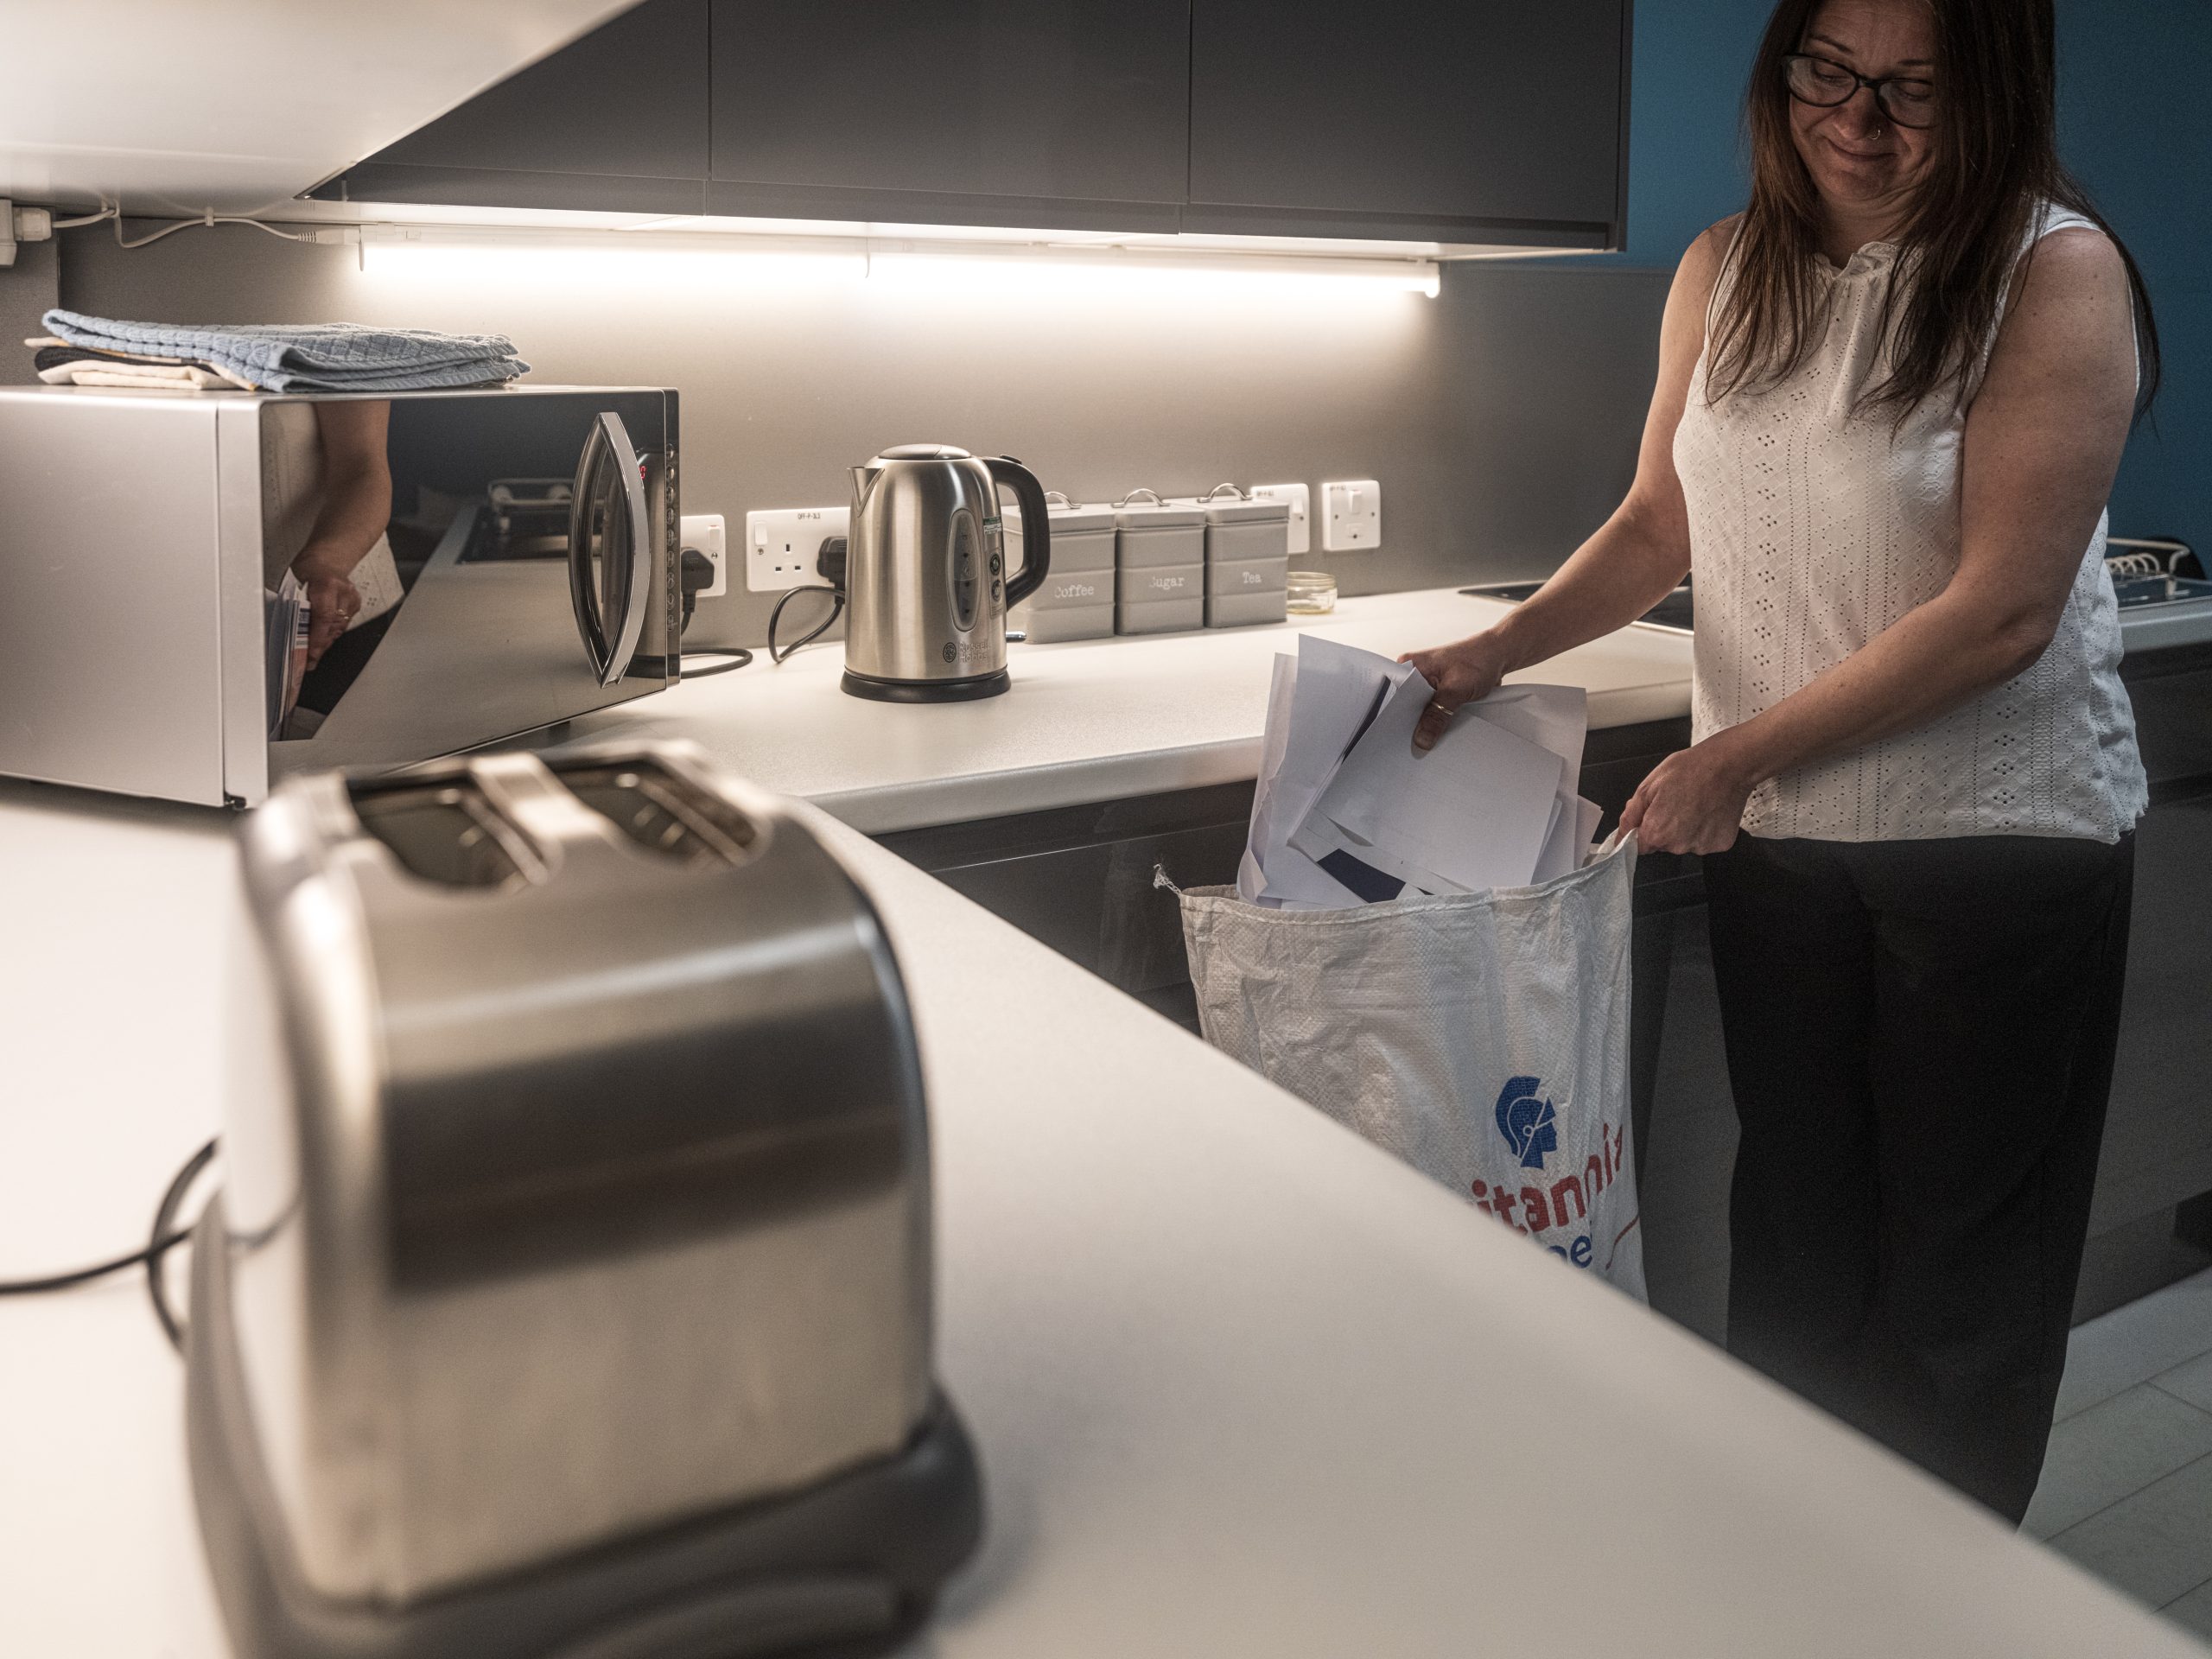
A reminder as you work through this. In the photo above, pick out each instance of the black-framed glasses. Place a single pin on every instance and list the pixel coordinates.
(1909, 100)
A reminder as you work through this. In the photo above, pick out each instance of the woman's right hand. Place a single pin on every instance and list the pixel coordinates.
(332, 603)
(1457, 674)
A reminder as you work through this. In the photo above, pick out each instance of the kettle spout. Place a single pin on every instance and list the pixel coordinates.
(863, 478)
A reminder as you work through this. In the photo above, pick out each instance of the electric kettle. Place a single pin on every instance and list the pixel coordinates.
(926, 577)
(570, 1294)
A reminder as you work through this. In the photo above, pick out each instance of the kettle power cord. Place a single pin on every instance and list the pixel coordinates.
(836, 609)
(165, 1237)
(829, 562)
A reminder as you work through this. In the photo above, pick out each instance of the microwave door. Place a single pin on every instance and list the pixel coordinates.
(493, 638)
(611, 548)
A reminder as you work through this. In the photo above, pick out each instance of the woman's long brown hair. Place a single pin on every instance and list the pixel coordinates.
(1995, 161)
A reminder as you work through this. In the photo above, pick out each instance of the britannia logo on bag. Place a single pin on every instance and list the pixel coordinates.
(1528, 1120)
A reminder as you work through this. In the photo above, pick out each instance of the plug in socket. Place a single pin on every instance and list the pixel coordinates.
(705, 531)
(780, 546)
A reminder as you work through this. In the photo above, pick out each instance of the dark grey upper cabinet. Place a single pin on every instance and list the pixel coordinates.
(615, 120)
(1461, 120)
(1450, 120)
(1045, 112)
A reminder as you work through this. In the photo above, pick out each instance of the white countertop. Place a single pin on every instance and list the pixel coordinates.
(2157, 627)
(1242, 1384)
(1088, 721)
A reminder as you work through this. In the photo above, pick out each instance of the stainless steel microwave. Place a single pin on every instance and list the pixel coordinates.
(514, 561)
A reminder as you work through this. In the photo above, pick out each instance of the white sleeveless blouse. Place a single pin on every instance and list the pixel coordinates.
(1813, 526)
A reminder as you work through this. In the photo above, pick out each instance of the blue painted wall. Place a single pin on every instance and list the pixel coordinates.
(2134, 124)
(1685, 146)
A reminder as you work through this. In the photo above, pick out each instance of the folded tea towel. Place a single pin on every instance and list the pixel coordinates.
(145, 376)
(308, 357)
(79, 365)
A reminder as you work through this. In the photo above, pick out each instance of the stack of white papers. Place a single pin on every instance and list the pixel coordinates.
(1348, 813)
(286, 628)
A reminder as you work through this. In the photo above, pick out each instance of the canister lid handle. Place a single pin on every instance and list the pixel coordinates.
(1151, 495)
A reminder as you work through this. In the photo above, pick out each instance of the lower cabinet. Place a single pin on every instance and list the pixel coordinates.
(1080, 880)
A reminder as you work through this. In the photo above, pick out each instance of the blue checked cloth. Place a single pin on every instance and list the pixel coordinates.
(308, 357)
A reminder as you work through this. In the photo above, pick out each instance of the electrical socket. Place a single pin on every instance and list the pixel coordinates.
(780, 546)
(1352, 516)
(704, 531)
(1296, 497)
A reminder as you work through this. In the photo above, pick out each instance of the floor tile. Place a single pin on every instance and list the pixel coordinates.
(2193, 1611)
(2118, 1446)
(2155, 1545)
(2115, 1351)
(2191, 1380)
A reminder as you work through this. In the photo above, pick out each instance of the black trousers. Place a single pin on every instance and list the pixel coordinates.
(1920, 1039)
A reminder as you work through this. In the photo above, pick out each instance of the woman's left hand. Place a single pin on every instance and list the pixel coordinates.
(1694, 800)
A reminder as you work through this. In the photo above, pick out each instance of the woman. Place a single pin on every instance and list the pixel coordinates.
(1892, 396)
(327, 494)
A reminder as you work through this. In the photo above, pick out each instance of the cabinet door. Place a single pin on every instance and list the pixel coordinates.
(1059, 113)
(615, 120)
(1477, 120)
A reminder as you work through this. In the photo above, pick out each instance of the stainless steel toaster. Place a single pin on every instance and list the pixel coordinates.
(578, 1200)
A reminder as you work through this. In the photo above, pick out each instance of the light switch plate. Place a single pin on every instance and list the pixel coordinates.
(1301, 502)
(1351, 520)
(704, 531)
(780, 547)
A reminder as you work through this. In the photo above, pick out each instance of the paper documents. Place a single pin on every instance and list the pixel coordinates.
(1336, 691)
(285, 628)
(1346, 811)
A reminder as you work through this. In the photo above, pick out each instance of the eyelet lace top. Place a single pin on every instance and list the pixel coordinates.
(1813, 526)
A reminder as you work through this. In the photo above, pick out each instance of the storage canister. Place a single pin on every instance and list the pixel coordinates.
(1077, 601)
(1247, 558)
(1161, 550)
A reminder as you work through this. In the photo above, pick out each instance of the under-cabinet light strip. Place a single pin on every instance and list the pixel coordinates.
(651, 260)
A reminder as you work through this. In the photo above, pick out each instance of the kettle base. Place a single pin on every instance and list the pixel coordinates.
(967, 691)
(844, 1569)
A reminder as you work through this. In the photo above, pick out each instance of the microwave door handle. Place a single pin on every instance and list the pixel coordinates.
(629, 584)
(581, 598)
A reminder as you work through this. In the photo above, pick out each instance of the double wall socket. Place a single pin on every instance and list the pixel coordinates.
(780, 546)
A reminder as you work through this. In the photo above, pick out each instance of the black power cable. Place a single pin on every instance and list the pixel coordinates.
(157, 1291)
(837, 610)
(697, 575)
(167, 1236)
(740, 657)
(76, 1276)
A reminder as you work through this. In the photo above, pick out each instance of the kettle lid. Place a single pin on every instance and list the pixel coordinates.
(924, 452)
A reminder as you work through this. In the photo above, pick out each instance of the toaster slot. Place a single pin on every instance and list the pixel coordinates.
(663, 811)
(445, 832)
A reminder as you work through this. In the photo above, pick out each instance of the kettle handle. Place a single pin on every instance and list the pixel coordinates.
(1036, 527)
